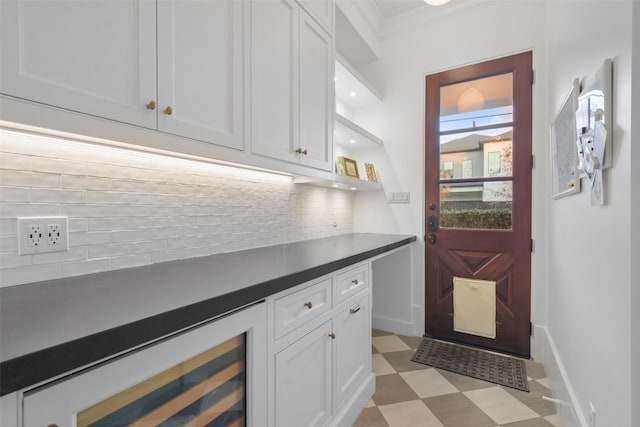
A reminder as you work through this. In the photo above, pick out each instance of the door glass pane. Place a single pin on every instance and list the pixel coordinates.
(477, 156)
(476, 133)
(477, 103)
(476, 205)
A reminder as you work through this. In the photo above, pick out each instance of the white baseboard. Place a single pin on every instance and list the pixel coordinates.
(392, 325)
(546, 353)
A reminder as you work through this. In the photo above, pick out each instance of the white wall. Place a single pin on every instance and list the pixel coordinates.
(128, 209)
(635, 224)
(589, 261)
(582, 314)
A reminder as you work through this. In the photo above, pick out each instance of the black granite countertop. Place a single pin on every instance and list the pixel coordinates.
(52, 327)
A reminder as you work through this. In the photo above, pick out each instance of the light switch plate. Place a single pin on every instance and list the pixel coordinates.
(399, 197)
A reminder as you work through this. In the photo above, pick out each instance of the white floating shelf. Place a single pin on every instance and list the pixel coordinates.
(350, 135)
(352, 89)
(341, 182)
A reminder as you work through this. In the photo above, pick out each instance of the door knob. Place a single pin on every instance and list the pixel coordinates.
(431, 238)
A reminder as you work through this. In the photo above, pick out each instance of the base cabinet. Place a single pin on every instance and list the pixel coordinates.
(353, 348)
(322, 369)
(303, 380)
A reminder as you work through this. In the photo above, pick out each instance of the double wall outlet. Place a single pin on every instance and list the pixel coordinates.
(41, 234)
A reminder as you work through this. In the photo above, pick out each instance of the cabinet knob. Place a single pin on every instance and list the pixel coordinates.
(301, 151)
(355, 282)
(168, 111)
(332, 336)
(151, 105)
(308, 305)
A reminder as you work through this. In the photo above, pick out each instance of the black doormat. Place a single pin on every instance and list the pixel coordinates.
(480, 364)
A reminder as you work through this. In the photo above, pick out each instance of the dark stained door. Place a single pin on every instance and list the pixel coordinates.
(478, 196)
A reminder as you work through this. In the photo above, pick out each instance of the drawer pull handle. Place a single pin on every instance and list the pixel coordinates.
(308, 305)
(52, 425)
(168, 111)
(354, 310)
(301, 151)
(355, 282)
(332, 336)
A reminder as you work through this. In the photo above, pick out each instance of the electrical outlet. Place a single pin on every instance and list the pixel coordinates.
(35, 235)
(53, 234)
(38, 235)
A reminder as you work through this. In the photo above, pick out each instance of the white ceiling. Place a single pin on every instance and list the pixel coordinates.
(392, 8)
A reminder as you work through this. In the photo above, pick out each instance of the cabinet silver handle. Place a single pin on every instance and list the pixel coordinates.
(354, 310)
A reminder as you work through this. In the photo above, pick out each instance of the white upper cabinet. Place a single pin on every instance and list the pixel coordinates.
(291, 84)
(95, 57)
(323, 11)
(200, 57)
(316, 100)
(274, 77)
(175, 66)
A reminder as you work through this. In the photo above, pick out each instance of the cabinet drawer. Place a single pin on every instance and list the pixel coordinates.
(352, 281)
(300, 307)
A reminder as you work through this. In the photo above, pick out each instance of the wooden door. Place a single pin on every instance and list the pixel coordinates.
(200, 70)
(478, 196)
(95, 57)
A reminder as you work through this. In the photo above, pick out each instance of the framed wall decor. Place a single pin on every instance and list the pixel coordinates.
(565, 179)
(351, 168)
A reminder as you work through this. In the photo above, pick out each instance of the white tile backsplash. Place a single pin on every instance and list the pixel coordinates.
(130, 209)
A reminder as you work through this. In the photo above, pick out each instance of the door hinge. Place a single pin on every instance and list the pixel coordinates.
(533, 246)
(533, 161)
(530, 329)
(533, 77)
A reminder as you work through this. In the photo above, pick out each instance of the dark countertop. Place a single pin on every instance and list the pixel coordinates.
(52, 327)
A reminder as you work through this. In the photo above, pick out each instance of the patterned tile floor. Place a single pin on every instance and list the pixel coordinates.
(410, 394)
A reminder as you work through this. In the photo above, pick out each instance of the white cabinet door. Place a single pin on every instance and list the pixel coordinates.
(200, 74)
(322, 11)
(274, 78)
(291, 85)
(303, 380)
(316, 95)
(353, 348)
(97, 57)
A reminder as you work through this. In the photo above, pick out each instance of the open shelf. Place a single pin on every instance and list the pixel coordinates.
(352, 89)
(350, 135)
(341, 182)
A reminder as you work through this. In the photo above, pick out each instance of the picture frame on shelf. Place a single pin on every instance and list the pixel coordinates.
(370, 170)
(351, 168)
(340, 165)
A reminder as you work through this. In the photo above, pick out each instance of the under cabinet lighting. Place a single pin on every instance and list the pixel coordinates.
(40, 140)
(352, 141)
(352, 93)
